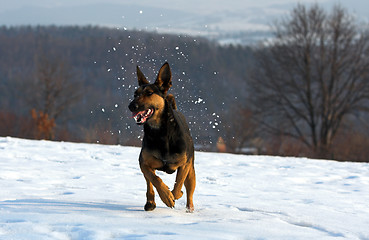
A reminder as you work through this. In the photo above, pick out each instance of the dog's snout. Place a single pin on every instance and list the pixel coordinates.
(133, 106)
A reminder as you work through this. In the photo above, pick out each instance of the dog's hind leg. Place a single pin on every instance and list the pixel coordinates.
(190, 184)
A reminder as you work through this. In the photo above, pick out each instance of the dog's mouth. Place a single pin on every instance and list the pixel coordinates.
(141, 117)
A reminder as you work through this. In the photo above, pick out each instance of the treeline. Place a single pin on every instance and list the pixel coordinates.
(75, 83)
(98, 65)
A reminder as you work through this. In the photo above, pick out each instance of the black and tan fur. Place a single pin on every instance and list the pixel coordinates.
(167, 144)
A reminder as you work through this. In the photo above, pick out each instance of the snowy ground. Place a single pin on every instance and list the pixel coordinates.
(58, 190)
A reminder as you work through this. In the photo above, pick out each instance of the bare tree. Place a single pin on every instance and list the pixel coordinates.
(311, 76)
(53, 89)
(240, 133)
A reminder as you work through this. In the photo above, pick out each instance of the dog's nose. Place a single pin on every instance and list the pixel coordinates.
(133, 106)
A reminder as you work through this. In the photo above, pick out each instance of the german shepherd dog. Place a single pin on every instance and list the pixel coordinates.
(167, 144)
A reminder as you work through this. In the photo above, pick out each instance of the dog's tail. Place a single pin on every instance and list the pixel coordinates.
(171, 101)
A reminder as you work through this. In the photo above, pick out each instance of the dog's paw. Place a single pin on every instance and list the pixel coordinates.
(190, 209)
(149, 206)
(167, 197)
(177, 194)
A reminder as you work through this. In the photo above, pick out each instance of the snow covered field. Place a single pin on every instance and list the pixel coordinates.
(59, 190)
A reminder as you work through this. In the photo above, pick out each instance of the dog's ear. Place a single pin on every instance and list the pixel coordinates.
(164, 79)
(141, 78)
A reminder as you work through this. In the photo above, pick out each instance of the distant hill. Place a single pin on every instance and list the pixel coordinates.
(209, 84)
(208, 79)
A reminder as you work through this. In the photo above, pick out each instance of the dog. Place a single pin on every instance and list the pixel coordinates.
(167, 143)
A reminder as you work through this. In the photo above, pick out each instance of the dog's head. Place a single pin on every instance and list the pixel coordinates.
(149, 99)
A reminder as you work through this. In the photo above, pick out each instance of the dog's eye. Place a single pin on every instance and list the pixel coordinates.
(149, 93)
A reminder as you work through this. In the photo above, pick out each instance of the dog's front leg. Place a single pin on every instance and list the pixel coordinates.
(150, 197)
(163, 190)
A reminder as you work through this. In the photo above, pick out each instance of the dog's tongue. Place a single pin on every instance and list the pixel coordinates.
(135, 114)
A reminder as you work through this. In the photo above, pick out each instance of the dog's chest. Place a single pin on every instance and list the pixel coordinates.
(165, 147)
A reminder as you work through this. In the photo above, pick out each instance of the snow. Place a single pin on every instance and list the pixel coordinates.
(60, 190)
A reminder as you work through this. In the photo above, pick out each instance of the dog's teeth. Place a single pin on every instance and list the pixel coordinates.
(147, 113)
(137, 118)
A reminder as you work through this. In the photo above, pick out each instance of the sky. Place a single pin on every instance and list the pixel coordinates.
(190, 16)
(204, 7)
(193, 5)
